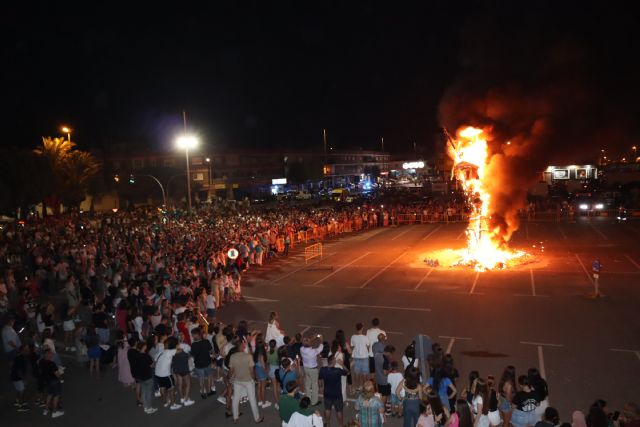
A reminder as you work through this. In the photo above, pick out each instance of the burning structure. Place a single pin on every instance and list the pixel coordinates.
(486, 245)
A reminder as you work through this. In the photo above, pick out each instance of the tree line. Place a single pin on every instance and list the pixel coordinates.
(55, 173)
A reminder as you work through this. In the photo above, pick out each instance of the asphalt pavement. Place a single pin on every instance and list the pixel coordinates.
(536, 315)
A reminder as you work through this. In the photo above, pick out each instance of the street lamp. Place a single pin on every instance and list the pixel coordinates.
(187, 142)
(208, 160)
(67, 131)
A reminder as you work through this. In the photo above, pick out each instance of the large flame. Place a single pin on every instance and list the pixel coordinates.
(486, 249)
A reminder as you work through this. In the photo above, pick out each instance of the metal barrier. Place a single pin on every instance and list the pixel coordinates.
(312, 251)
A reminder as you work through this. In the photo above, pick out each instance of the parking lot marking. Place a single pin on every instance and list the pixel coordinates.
(382, 271)
(584, 269)
(544, 344)
(314, 326)
(461, 234)
(409, 228)
(543, 371)
(636, 352)
(432, 232)
(561, 231)
(632, 261)
(301, 268)
(340, 269)
(533, 283)
(475, 281)
(451, 341)
(350, 306)
(600, 233)
(423, 279)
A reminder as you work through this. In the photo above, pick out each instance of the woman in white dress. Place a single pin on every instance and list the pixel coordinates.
(274, 332)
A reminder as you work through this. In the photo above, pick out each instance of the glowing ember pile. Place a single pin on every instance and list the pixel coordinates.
(485, 250)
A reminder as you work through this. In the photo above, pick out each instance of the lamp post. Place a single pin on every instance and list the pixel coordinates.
(208, 160)
(186, 142)
(67, 131)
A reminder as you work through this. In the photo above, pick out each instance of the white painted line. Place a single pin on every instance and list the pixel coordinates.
(584, 269)
(432, 232)
(636, 352)
(544, 344)
(258, 299)
(475, 281)
(451, 341)
(350, 306)
(457, 338)
(409, 228)
(424, 278)
(461, 234)
(561, 231)
(305, 330)
(393, 333)
(340, 269)
(302, 268)
(450, 346)
(543, 371)
(531, 296)
(382, 271)
(533, 283)
(600, 233)
(316, 326)
(632, 261)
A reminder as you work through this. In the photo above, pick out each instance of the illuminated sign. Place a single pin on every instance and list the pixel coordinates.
(561, 174)
(278, 181)
(413, 165)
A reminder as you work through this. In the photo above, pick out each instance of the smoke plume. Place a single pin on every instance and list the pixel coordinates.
(537, 88)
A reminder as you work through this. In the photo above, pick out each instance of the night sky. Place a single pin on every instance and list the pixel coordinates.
(263, 74)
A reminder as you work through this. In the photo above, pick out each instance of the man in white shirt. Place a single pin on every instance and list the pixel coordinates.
(163, 373)
(360, 355)
(372, 338)
(309, 353)
(10, 339)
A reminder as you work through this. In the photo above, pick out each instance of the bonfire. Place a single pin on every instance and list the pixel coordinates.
(485, 249)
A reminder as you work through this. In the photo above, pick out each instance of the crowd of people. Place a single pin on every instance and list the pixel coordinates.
(143, 291)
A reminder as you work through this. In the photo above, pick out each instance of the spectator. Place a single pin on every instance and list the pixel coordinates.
(360, 346)
(370, 408)
(506, 390)
(242, 375)
(202, 352)
(10, 339)
(372, 337)
(309, 352)
(53, 385)
(551, 418)
(333, 398)
(524, 404)
(410, 391)
(163, 375)
(142, 370)
(19, 370)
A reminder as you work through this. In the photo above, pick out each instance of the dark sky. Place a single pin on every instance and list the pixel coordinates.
(270, 73)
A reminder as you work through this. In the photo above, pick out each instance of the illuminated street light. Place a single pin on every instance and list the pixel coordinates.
(67, 131)
(187, 142)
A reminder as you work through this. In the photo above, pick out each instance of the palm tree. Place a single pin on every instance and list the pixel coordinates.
(78, 169)
(55, 151)
(72, 170)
